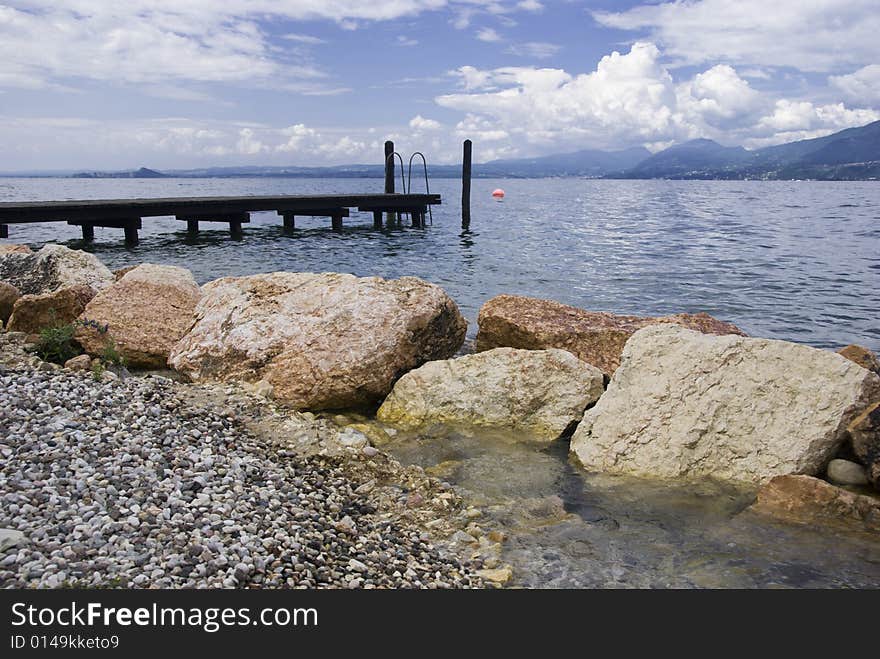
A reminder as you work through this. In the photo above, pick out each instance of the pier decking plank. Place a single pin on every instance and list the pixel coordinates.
(16, 212)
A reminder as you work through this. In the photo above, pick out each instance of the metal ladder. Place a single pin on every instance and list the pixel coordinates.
(406, 181)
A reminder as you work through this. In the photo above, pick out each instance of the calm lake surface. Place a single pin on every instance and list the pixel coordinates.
(793, 260)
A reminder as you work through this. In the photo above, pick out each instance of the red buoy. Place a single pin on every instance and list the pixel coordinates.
(498, 193)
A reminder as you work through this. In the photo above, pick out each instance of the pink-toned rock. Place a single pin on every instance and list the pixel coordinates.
(11, 248)
(31, 313)
(322, 341)
(808, 500)
(861, 356)
(145, 313)
(79, 363)
(8, 295)
(593, 336)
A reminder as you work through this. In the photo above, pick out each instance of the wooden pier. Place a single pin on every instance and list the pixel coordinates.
(127, 214)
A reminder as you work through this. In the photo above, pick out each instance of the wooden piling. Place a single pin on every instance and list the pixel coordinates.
(192, 226)
(377, 219)
(389, 177)
(289, 222)
(88, 231)
(466, 185)
(4, 231)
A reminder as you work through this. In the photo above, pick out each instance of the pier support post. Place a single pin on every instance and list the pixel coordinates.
(377, 219)
(192, 226)
(4, 231)
(336, 222)
(289, 220)
(466, 185)
(131, 235)
(389, 176)
(88, 232)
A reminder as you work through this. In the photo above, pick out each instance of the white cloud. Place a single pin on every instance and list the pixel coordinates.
(530, 5)
(719, 98)
(862, 86)
(819, 35)
(630, 99)
(44, 42)
(306, 39)
(489, 35)
(406, 41)
(419, 123)
(799, 120)
(535, 49)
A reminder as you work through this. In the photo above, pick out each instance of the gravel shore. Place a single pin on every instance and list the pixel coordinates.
(123, 483)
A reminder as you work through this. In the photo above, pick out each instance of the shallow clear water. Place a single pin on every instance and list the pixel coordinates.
(569, 529)
(790, 260)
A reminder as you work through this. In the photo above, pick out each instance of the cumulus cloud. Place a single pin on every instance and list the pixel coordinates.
(630, 99)
(821, 35)
(799, 120)
(419, 123)
(860, 86)
(488, 34)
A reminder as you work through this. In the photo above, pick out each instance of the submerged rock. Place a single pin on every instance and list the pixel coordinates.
(845, 472)
(861, 356)
(594, 337)
(322, 341)
(864, 432)
(808, 500)
(8, 295)
(52, 268)
(32, 313)
(146, 312)
(686, 404)
(541, 392)
(12, 248)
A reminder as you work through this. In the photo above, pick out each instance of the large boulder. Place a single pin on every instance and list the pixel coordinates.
(864, 432)
(322, 341)
(540, 392)
(8, 295)
(593, 336)
(808, 500)
(144, 314)
(31, 313)
(52, 268)
(686, 404)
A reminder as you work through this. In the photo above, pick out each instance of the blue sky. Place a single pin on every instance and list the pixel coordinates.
(190, 83)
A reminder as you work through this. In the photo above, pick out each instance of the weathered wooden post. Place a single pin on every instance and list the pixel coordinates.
(466, 186)
(389, 176)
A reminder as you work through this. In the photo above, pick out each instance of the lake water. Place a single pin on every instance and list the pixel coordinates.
(789, 260)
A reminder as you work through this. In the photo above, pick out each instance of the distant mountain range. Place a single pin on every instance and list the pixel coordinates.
(851, 154)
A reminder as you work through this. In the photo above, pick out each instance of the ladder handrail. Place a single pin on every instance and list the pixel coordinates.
(427, 187)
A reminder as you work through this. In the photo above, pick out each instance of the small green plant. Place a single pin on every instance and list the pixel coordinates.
(97, 369)
(56, 343)
(110, 354)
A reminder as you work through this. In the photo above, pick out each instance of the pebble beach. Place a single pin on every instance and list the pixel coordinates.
(123, 483)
